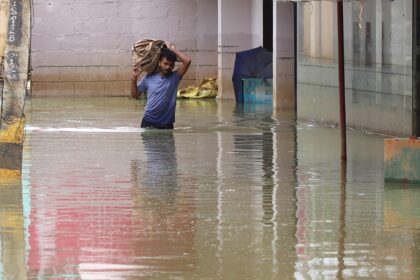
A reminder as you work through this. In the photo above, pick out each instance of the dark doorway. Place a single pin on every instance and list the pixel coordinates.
(268, 25)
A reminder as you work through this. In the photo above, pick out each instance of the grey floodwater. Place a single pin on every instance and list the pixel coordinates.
(232, 193)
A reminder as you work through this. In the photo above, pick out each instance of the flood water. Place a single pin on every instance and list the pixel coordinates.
(231, 193)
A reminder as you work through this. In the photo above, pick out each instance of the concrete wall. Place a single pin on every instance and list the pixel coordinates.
(84, 47)
(377, 39)
(206, 52)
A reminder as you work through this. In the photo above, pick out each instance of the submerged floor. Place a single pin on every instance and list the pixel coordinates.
(231, 193)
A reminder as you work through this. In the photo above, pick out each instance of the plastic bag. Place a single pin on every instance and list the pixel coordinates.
(206, 89)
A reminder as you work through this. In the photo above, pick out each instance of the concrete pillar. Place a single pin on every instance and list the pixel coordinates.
(206, 54)
(3, 24)
(378, 33)
(239, 29)
(15, 56)
(284, 55)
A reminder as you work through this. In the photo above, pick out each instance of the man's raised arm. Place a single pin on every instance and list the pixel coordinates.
(185, 61)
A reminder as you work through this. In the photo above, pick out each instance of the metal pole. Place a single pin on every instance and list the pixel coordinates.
(341, 80)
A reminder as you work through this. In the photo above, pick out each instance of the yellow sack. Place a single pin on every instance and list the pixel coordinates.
(206, 89)
(146, 53)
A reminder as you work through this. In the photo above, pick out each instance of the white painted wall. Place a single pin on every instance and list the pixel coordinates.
(84, 47)
(240, 28)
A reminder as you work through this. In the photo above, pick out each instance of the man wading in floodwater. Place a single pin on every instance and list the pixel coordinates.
(161, 88)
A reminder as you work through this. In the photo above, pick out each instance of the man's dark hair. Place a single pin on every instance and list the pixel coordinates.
(168, 54)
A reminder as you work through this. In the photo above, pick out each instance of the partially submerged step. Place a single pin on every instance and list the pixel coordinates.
(402, 159)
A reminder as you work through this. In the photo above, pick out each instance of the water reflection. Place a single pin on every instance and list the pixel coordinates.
(233, 194)
(253, 115)
(402, 228)
(163, 218)
(158, 171)
(265, 161)
(12, 241)
(342, 221)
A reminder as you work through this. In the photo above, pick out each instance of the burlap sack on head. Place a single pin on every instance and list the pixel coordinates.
(146, 54)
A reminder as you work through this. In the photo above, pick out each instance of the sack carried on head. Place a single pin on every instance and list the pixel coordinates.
(146, 53)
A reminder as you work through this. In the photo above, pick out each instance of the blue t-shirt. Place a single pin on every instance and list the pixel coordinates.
(161, 97)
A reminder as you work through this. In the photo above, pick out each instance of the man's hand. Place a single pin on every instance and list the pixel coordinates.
(184, 59)
(134, 77)
(168, 45)
(135, 74)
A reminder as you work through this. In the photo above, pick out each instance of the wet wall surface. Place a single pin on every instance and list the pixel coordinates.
(231, 193)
